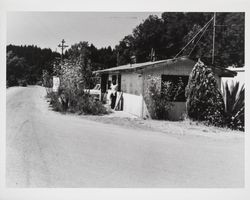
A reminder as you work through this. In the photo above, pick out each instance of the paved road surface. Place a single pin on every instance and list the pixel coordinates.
(48, 149)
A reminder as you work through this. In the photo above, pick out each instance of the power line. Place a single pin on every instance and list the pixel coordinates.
(194, 37)
(199, 39)
(213, 38)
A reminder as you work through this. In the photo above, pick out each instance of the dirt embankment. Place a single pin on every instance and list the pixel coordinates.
(176, 128)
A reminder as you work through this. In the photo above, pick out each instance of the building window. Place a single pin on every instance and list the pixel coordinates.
(175, 85)
(109, 84)
(114, 78)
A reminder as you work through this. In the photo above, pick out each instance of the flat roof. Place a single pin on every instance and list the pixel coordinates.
(236, 69)
(130, 66)
(137, 66)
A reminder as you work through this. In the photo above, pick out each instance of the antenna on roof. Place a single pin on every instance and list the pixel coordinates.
(132, 59)
(152, 55)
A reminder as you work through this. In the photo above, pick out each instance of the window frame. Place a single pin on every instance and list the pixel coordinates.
(174, 79)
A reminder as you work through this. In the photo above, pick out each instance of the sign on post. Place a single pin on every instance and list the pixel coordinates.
(56, 83)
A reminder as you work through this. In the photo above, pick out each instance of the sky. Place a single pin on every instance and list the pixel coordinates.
(47, 29)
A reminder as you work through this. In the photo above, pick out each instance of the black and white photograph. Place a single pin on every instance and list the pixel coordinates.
(125, 99)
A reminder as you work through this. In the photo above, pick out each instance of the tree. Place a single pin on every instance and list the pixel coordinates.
(75, 76)
(125, 50)
(170, 33)
(146, 36)
(229, 40)
(36, 58)
(204, 100)
(79, 56)
(17, 69)
(164, 35)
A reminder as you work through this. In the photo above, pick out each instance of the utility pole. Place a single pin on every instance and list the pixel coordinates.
(213, 38)
(62, 46)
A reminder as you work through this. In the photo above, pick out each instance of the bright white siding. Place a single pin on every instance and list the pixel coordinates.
(239, 78)
(132, 104)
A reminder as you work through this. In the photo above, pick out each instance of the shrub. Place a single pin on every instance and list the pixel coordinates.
(88, 105)
(204, 100)
(78, 102)
(22, 83)
(47, 80)
(75, 75)
(234, 98)
(157, 97)
(55, 101)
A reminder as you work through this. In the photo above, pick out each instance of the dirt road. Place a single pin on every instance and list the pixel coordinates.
(49, 149)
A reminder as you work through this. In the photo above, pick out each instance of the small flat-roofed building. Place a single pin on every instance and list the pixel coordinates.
(240, 77)
(132, 82)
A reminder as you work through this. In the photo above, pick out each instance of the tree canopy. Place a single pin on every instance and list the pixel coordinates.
(165, 36)
(35, 61)
(172, 31)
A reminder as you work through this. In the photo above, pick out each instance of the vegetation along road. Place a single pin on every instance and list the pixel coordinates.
(48, 149)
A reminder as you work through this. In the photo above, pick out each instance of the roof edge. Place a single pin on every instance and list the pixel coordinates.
(144, 64)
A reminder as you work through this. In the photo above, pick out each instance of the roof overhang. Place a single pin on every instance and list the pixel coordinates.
(223, 72)
(139, 67)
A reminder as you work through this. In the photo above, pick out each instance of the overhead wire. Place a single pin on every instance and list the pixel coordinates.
(194, 37)
(199, 39)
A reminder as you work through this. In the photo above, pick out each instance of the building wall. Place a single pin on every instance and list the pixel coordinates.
(240, 77)
(134, 89)
(134, 86)
(131, 83)
(132, 104)
(181, 69)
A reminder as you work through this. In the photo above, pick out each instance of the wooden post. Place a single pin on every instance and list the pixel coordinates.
(62, 46)
(213, 38)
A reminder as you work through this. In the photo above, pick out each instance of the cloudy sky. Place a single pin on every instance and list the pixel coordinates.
(47, 29)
